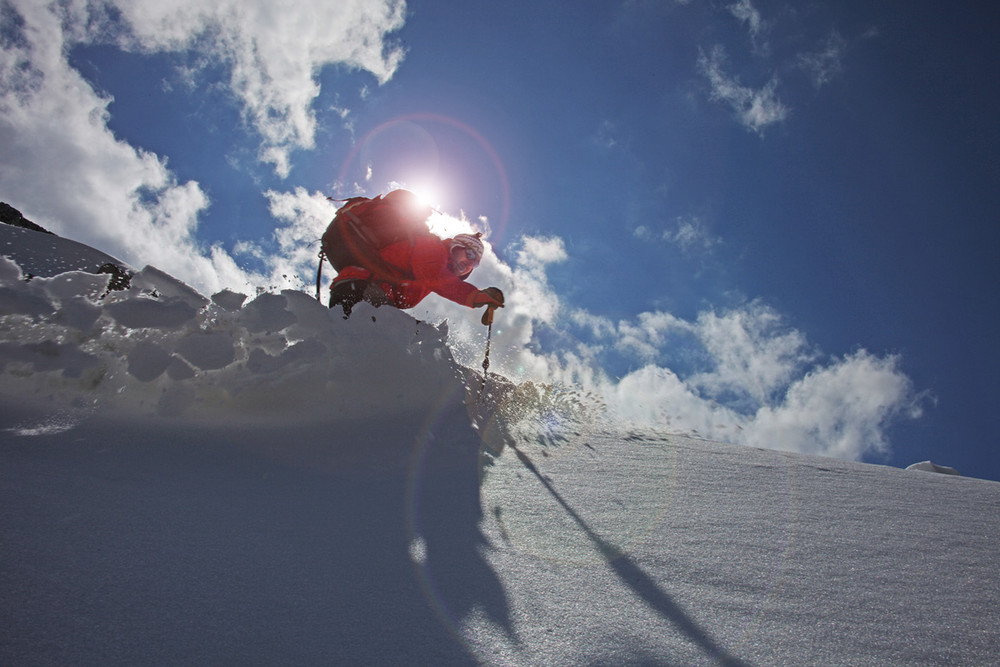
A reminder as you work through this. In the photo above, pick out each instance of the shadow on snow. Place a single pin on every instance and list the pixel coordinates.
(126, 544)
(145, 543)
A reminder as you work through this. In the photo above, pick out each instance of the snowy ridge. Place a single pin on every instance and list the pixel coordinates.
(44, 254)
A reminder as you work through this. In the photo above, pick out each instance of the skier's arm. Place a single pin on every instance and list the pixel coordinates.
(429, 262)
(430, 265)
(458, 291)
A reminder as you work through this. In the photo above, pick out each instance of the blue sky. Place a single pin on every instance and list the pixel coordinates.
(763, 222)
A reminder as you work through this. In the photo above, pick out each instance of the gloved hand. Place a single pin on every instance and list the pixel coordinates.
(491, 296)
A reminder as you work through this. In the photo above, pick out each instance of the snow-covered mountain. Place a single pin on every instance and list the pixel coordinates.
(252, 479)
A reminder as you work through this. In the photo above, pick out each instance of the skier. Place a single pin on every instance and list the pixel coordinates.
(401, 273)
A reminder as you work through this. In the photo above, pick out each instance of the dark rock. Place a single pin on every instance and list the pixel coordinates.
(12, 216)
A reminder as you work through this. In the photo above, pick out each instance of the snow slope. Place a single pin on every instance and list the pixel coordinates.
(43, 254)
(231, 480)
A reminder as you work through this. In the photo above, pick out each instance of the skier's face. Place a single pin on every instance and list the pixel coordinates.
(463, 260)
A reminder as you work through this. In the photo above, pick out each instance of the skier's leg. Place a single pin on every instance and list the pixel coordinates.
(347, 294)
(376, 296)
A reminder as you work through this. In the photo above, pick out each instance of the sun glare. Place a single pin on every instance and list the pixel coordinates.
(428, 196)
(442, 223)
(426, 193)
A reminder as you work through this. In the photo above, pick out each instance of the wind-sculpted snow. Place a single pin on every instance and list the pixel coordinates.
(161, 349)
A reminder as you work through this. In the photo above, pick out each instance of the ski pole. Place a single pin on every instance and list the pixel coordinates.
(488, 321)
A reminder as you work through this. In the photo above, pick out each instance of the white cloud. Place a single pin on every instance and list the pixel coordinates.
(647, 335)
(841, 410)
(306, 216)
(538, 252)
(598, 326)
(755, 109)
(764, 387)
(606, 135)
(825, 64)
(748, 14)
(62, 165)
(274, 51)
(688, 233)
(655, 397)
(754, 354)
(64, 168)
(530, 280)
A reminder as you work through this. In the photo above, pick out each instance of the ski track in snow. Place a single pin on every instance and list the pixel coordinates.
(223, 480)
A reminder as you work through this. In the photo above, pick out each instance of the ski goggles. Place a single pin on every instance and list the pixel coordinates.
(465, 259)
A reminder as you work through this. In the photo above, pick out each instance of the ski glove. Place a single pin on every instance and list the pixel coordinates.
(491, 296)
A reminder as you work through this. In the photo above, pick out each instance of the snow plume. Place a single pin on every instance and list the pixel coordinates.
(72, 175)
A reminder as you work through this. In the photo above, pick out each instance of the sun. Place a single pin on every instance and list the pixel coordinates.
(427, 193)
(429, 196)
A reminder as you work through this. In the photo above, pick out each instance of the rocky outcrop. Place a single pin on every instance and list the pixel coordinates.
(11, 216)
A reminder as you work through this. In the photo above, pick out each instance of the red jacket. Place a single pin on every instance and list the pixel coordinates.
(427, 261)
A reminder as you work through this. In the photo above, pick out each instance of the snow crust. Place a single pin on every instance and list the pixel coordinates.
(252, 479)
(160, 349)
